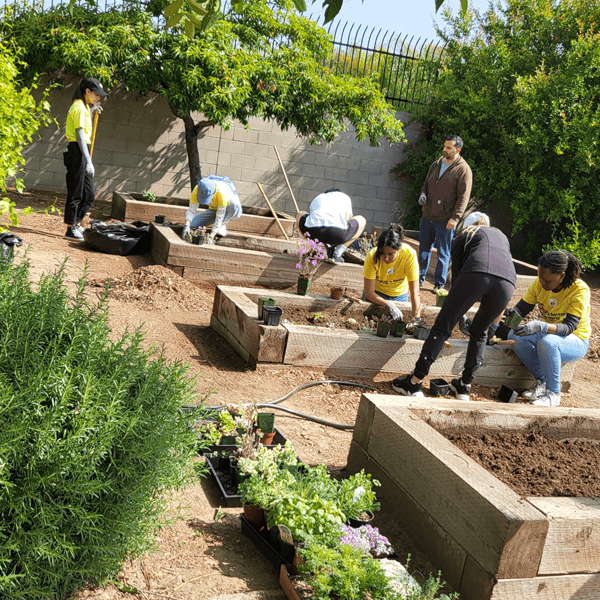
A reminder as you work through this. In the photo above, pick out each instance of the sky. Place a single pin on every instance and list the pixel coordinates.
(412, 17)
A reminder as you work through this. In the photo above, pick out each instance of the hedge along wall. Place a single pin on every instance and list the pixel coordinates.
(140, 145)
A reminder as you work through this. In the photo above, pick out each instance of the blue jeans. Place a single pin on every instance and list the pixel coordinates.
(207, 217)
(434, 233)
(544, 353)
(402, 298)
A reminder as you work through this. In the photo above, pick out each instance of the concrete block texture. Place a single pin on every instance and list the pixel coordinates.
(140, 145)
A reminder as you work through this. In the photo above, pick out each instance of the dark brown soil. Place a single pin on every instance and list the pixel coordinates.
(533, 464)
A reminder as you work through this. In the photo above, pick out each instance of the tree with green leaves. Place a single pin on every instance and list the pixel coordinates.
(520, 85)
(263, 61)
(20, 117)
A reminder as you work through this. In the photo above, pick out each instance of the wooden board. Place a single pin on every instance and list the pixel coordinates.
(486, 539)
(238, 315)
(573, 544)
(483, 516)
(126, 208)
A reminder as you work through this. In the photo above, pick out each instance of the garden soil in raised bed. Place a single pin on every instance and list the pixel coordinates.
(202, 556)
(533, 464)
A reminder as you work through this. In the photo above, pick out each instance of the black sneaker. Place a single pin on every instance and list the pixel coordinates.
(465, 325)
(74, 233)
(460, 390)
(407, 388)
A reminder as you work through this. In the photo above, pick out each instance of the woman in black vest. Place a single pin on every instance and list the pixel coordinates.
(482, 270)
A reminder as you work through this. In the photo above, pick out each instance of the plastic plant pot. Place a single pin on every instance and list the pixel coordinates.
(439, 387)
(264, 302)
(267, 438)
(336, 293)
(383, 328)
(272, 315)
(159, 218)
(422, 333)
(400, 329)
(513, 320)
(439, 300)
(359, 522)
(265, 421)
(506, 394)
(303, 286)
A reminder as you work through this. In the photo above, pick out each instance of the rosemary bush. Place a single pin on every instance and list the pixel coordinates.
(91, 438)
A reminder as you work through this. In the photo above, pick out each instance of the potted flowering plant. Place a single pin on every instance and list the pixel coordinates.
(310, 254)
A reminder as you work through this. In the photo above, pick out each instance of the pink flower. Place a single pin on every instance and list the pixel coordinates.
(298, 266)
(314, 262)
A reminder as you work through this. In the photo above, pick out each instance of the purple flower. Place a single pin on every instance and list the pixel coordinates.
(298, 266)
(314, 262)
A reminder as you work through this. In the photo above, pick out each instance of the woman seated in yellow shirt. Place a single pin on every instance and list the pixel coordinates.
(391, 272)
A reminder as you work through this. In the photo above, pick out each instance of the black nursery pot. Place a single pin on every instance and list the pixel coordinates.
(159, 218)
(422, 333)
(506, 394)
(272, 314)
(359, 522)
(438, 387)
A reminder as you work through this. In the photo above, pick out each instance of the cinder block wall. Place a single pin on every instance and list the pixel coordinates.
(140, 145)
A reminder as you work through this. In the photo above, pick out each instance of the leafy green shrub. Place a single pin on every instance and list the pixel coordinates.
(91, 439)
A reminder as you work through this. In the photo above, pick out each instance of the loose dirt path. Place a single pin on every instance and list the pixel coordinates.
(200, 557)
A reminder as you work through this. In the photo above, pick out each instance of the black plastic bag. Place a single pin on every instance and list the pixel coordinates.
(119, 238)
(8, 241)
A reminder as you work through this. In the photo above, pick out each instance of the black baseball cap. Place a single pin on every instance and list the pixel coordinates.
(92, 84)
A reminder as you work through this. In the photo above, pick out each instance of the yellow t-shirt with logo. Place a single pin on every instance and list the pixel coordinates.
(221, 198)
(554, 306)
(392, 279)
(79, 117)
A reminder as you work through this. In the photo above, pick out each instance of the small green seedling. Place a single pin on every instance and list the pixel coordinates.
(150, 196)
(220, 514)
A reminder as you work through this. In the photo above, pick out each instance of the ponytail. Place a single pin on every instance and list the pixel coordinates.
(393, 237)
(561, 261)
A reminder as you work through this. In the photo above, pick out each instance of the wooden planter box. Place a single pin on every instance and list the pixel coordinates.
(490, 543)
(344, 352)
(265, 266)
(255, 221)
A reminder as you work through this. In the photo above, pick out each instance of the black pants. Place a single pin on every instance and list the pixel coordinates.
(80, 185)
(494, 294)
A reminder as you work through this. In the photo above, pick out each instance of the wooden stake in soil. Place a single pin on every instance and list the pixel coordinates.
(286, 179)
(274, 213)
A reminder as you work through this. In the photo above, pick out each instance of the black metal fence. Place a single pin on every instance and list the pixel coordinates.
(405, 67)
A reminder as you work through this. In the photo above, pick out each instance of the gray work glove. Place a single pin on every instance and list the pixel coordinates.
(186, 234)
(394, 311)
(89, 168)
(210, 241)
(422, 199)
(531, 328)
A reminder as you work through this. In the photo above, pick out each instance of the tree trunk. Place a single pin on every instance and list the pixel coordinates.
(193, 131)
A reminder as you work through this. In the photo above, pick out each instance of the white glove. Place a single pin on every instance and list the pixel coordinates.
(394, 311)
(210, 241)
(422, 199)
(186, 235)
(89, 168)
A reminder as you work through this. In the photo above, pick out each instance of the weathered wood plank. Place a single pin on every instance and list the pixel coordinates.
(232, 340)
(239, 315)
(127, 208)
(505, 533)
(564, 587)
(365, 352)
(415, 522)
(573, 543)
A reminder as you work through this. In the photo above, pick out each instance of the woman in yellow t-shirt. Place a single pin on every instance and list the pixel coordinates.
(391, 272)
(563, 334)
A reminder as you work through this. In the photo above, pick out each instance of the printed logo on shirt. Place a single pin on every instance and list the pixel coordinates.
(390, 271)
(553, 302)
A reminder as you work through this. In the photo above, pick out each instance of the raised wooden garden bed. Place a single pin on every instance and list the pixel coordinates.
(344, 352)
(254, 221)
(490, 543)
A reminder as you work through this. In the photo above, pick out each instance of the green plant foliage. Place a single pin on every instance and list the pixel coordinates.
(261, 60)
(20, 118)
(91, 439)
(356, 495)
(520, 86)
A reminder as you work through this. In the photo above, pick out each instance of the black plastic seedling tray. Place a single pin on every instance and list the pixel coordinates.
(225, 482)
(262, 541)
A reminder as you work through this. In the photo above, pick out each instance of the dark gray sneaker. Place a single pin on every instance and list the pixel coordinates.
(465, 325)
(74, 233)
(460, 390)
(407, 388)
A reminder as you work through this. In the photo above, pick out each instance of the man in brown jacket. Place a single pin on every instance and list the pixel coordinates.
(444, 197)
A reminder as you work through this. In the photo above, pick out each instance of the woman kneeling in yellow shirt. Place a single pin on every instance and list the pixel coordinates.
(391, 271)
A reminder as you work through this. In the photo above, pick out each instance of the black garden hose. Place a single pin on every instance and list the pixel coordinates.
(273, 403)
